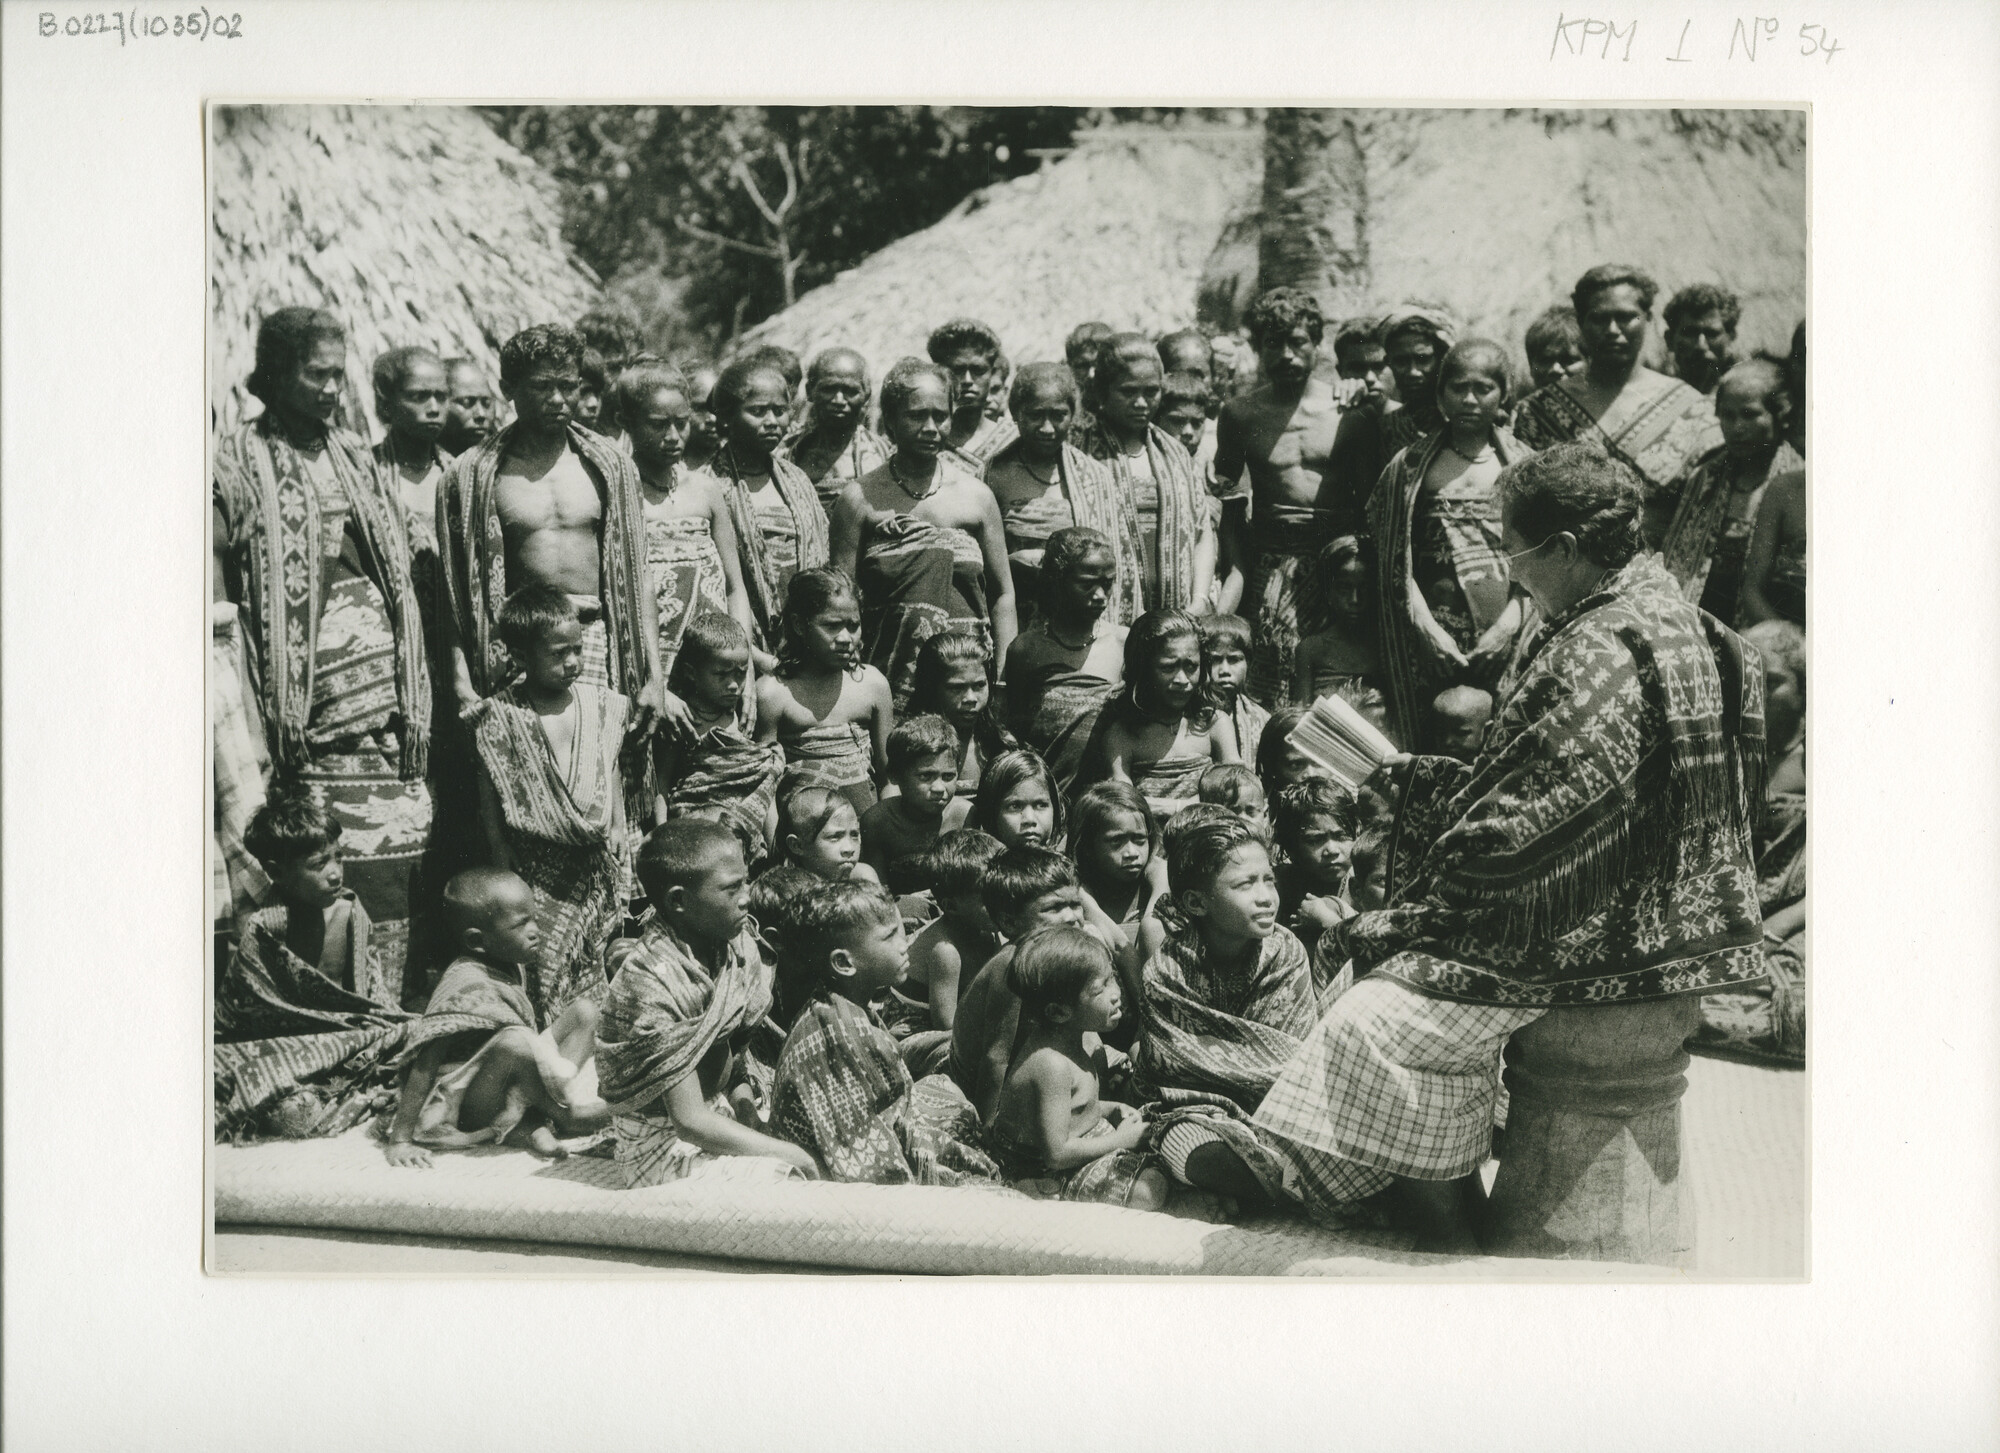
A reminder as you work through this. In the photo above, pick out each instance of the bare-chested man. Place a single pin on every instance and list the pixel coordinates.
(469, 415)
(568, 511)
(1282, 431)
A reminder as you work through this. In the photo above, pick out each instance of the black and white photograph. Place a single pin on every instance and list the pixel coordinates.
(1009, 690)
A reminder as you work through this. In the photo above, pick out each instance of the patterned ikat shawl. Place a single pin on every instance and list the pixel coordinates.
(1183, 506)
(280, 535)
(475, 552)
(843, 1092)
(1600, 847)
(666, 1011)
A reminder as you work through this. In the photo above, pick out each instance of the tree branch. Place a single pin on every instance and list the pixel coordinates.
(705, 235)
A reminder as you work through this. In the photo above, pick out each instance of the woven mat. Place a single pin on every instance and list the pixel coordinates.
(1745, 1159)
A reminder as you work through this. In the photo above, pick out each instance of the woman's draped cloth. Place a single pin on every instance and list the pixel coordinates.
(1097, 503)
(843, 1092)
(1767, 1023)
(1183, 508)
(1707, 544)
(727, 776)
(763, 581)
(1419, 656)
(667, 1013)
(298, 1054)
(1599, 849)
(282, 537)
(475, 557)
(916, 579)
(1212, 1040)
(1663, 437)
(565, 827)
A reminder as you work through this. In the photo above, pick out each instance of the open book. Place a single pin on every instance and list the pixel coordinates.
(1342, 740)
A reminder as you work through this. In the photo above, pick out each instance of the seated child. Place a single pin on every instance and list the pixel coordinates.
(1062, 668)
(842, 1090)
(923, 765)
(818, 828)
(824, 706)
(1052, 1134)
(951, 682)
(1223, 1002)
(1117, 850)
(1164, 731)
(1280, 764)
(953, 946)
(1315, 827)
(1342, 659)
(1025, 888)
(724, 770)
(475, 1070)
(1225, 663)
(1458, 721)
(301, 966)
(1018, 802)
(1235, 786)
(686, 997)
(773, 897)
(552, 793)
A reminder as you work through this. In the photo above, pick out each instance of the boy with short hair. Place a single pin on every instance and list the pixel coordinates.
(842, 1090)
(301, 966)
(1234, 786)
(923, 763)
(1554, 346)
(1458, 721)
(1361, 363)
(685, 998)
(952, 949)
(552, 792)
(475, 1070)
(1051, 1132)
(1225, 666)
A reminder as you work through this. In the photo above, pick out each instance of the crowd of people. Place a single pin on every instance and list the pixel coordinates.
(758, 772)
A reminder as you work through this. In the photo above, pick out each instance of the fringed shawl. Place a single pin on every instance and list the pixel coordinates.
(1183, 507)
(1095, 503)
(666, 1011)
(1599, 848)
(1708, 500)
(1661, 439)
(537, 796)
(760, 580)
(1419, 658)
(271, 511)
(474, 551)
(842, 1091)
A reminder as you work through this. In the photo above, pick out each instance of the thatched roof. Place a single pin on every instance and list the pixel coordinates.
(1117, 231)
(1496, 213)
(412, 224)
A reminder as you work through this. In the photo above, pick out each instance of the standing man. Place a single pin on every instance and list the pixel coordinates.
(547, 502)
(969, 351)
(1701, 334)
(469, 414)
(1282, 431)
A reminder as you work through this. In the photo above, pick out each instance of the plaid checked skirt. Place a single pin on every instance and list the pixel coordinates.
(1392, 1083)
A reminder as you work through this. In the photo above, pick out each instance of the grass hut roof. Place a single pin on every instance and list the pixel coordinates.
(1495, 214)
(411, 224)
(1118, 230)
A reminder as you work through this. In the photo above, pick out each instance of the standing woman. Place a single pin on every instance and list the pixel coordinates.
(922, 537)
(1598, 850)
(313, 547)
(780, 526)
(1657, 425)
(1164, 505)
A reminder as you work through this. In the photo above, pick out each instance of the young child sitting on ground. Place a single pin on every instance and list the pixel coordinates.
(843, 1091)
(954, 946)
(552, 793)
(818, 829)
(1225, 665)
(1051, 1133)
(724, 770)
(1063, 666)
(951, 682)
(771, 902)
(1164, 731)
(1458, 721)
(826, 708)
(301, 966)
(1280, 764)
(1235, 786)
(1018, 803)
(923, 765)
(475, 1070)
(1117, 842)
(1314, 826)
(686, 996)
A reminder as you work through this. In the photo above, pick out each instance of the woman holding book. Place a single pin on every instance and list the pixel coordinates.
(1598, 849)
